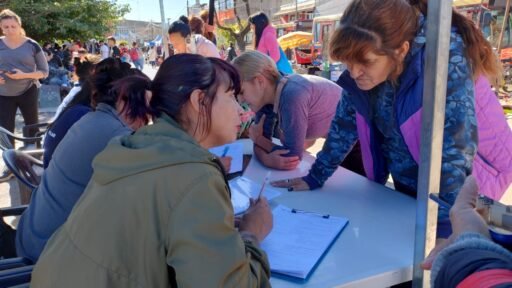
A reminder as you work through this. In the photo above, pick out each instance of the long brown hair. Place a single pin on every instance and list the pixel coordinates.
(375, 26)
(383, 26)
(478, 50)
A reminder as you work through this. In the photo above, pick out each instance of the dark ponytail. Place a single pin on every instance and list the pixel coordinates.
(260, 22)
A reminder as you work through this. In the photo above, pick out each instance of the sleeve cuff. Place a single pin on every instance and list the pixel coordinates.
(312, 183)
(444, 228)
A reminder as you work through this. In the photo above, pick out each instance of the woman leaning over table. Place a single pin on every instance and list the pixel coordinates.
(383, 45)
(301, 106)
(157, 211)
(22, 64)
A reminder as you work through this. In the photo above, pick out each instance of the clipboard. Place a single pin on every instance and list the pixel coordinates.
(299, 239)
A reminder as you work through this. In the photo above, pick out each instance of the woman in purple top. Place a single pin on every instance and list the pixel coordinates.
(301, 107)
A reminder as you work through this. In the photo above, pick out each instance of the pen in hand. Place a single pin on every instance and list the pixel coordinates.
(265, 181)
(439, 201)
(225, 152)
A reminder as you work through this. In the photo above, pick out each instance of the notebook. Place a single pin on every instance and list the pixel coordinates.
(299, 239)
(243, 189)
(235, 151)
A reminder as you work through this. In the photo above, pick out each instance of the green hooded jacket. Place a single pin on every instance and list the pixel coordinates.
(157, 213)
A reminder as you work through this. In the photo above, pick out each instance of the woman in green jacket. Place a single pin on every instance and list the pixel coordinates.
(157, 211)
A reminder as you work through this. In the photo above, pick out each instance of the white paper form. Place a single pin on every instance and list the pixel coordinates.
(242, 189)
(298, 240)
(235, 151)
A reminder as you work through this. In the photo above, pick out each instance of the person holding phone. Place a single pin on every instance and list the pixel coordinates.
(23, 63)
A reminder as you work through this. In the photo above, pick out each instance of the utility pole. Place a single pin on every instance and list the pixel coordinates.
(296, 15)
(188, 13)
(165, 47)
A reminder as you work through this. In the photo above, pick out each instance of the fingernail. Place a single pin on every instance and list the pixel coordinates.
(290, 188)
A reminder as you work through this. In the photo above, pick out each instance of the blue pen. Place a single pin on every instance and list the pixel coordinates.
(439, 201)
(225, 152)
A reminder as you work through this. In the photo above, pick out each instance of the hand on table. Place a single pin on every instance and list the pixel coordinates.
(294, 184)
(464, 218)
(278, 161)
(226, 162)
(258, 219)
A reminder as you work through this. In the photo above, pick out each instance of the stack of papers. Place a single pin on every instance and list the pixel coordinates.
(299, 239)
(243, 189)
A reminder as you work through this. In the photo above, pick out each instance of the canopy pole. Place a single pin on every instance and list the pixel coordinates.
(434, 100)
(503, 25)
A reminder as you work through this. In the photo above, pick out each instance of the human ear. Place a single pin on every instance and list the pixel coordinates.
(196, 100)
(403, 50)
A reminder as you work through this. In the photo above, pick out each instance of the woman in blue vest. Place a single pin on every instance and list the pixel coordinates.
(383, 45)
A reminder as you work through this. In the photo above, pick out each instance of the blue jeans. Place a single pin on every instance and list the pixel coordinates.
(139, 63)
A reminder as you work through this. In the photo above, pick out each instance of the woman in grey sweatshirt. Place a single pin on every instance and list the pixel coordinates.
(22, 64)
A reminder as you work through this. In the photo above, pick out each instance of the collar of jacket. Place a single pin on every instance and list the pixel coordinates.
(107, 109)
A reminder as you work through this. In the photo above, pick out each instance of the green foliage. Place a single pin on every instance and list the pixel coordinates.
(47, 20)
(224, 37)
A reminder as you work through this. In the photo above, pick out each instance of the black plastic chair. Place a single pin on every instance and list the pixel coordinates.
(16, 276)
(6, 137)
(22, 164)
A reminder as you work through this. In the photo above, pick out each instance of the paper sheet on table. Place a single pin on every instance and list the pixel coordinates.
(298, 240)
(235, 151)
(242, 189)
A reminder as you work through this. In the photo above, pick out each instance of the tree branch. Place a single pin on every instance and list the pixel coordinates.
(231, 31)
(247, 8)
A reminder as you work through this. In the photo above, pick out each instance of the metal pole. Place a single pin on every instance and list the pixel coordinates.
(297, 10)
(434, 99)
(505, 20)
(165, 47)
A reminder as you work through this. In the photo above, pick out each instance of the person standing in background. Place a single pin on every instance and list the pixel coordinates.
(137, 56)
(22, 64)
(208, 29)
(183, 39)
(113, 49)
(265, 41)
(104, 50)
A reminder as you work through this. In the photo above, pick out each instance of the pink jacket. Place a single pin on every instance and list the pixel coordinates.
(268, 43)
(492, 166)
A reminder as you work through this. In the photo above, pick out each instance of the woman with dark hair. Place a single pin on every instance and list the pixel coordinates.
(157, 210)
(121, 107)
(184, 40)
(265, 41)
(82, 71)
(383, 45)
(76, 106)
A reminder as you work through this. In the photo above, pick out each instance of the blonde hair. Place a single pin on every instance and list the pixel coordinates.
(8, 14)
(252, 63)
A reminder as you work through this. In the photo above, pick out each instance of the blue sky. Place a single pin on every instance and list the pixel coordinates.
(147, 10)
